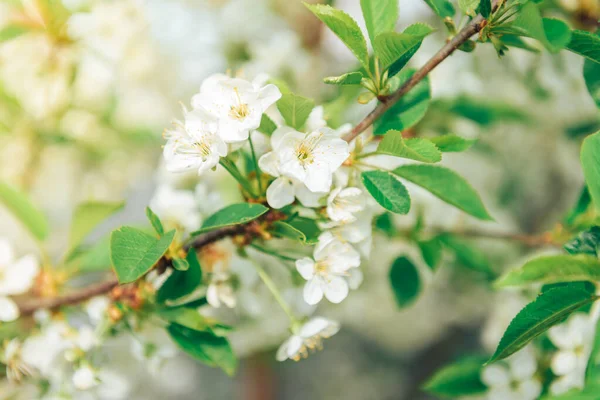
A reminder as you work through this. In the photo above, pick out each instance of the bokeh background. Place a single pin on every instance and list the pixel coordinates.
(81, 118)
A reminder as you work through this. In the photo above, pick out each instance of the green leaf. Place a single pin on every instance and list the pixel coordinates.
(380, 16)
(452, 143)
(409, 109)
(585, 44)
(234, 214)
(461, 378)
(180, 264)
(351, 78)
(553, 269)
(181, 283)
(385, 223)
(466, 254)
(585, 242)
(295, 109)
(345, 28)
(267, 126)
(550, 308)
(134, 252)
(590, 161)
(447, 185)
(485, 8)
(405, 281)
(391, 47)
(186, 317)
(558, 34)
(304, 230)
(418, 149)
(205, 347)
(87, 216)
(388, 191)
(11, 32)
(443, 8)
(21, 208)
(591, 74)
(431, 251)
(155, 221)
(95, 258)
(469, 7)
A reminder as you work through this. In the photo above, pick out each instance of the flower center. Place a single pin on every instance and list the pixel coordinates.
(321, 268)
(305, 149)
(239, 111)
(203, 148)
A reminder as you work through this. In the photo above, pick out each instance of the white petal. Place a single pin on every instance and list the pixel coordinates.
(277, 138)
(6, 254)
(19, 276)
(269, 163)
(318, 178)
(336, 290)
(313, 327)
(313, 292)
(355, 278)
(267, 96)
(563, 362)
(280, 193)
(212, 295)
(232, 131)
(8, 310)
(84, 378)
(560, 336)
(530, 389)
(290, 348)
(495, 375)
(523, 364)
(306, 267)
(563, 384)
(306, 197)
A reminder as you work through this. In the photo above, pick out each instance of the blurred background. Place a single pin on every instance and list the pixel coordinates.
(81, 116)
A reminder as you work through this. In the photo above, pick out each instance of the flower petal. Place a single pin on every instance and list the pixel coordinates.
(313, 292)
(280, 193)
(336, 290)
(8, 310)
(306, 267)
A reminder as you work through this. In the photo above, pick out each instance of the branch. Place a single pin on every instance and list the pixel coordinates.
(539, 240)
(387, 102)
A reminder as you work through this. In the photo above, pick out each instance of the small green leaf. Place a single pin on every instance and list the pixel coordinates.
(550, 308)
(155, 221)
(458, 379)
(345, 28)
(585, 242)
(591, 74)
(447, 185)
(590, 161)
(418, 149)
(180, 264)
(301, 229)
(443, 8)
(267, 126)
(295, 109)
(181, 283)
(134, 252)
(21, 208)
(94, 258)
(388, 191)
(385, 223)
(205, 347)
(485, 8)
(558, 34)
(585, 44)
(469, 7)
(187, 317)
(380, 16)
(553, 269)
(391, 47)
(465, 254)
(431, 251)
(409, 109)
(234, 214)
(351, 78)
(452, 143)
(87, 216)
(405, 281)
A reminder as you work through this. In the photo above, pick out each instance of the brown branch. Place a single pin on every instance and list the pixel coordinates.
(387, 102)
(539, 240)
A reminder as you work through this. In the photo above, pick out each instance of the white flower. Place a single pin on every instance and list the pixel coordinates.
(311, 158)
(16, 277)
(514, 380)
(308, 337)
(237, 104)
(343, 203)
(194, 144)
(327, 273)
(176, 207)
(97, 308)
(85, 378)
(220, 291)
(574, 340)
(16, 368)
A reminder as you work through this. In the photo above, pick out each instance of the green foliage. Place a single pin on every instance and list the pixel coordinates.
(395, 49)
(443, 8)
(461, 378)
(591, 74)
(351, 78)
(431, 251)
(469, 7)
(180, 264)
(181, 283)
(465, 254)
(553, 269)
(93, 258)
(482, 111)
(155, 222)
(304, 230)
(585, 44)
(21, 208)
(585, 242)
(267, 126)
(234, 214)
(205, 347)
(409, 110)
(485, 8)
(590, 161)
(387, 190)
(452, 143)
(418, 149)
(295, 109)
(447, 186)
(405, 281)
(345, 28)
(385, 223)
(548, 309)
(87, 216)
(134, 252)
(380, 16)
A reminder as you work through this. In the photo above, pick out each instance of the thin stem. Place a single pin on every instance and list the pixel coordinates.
(237, 175)
(272, 253)
(256, 167)
(274, 291)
